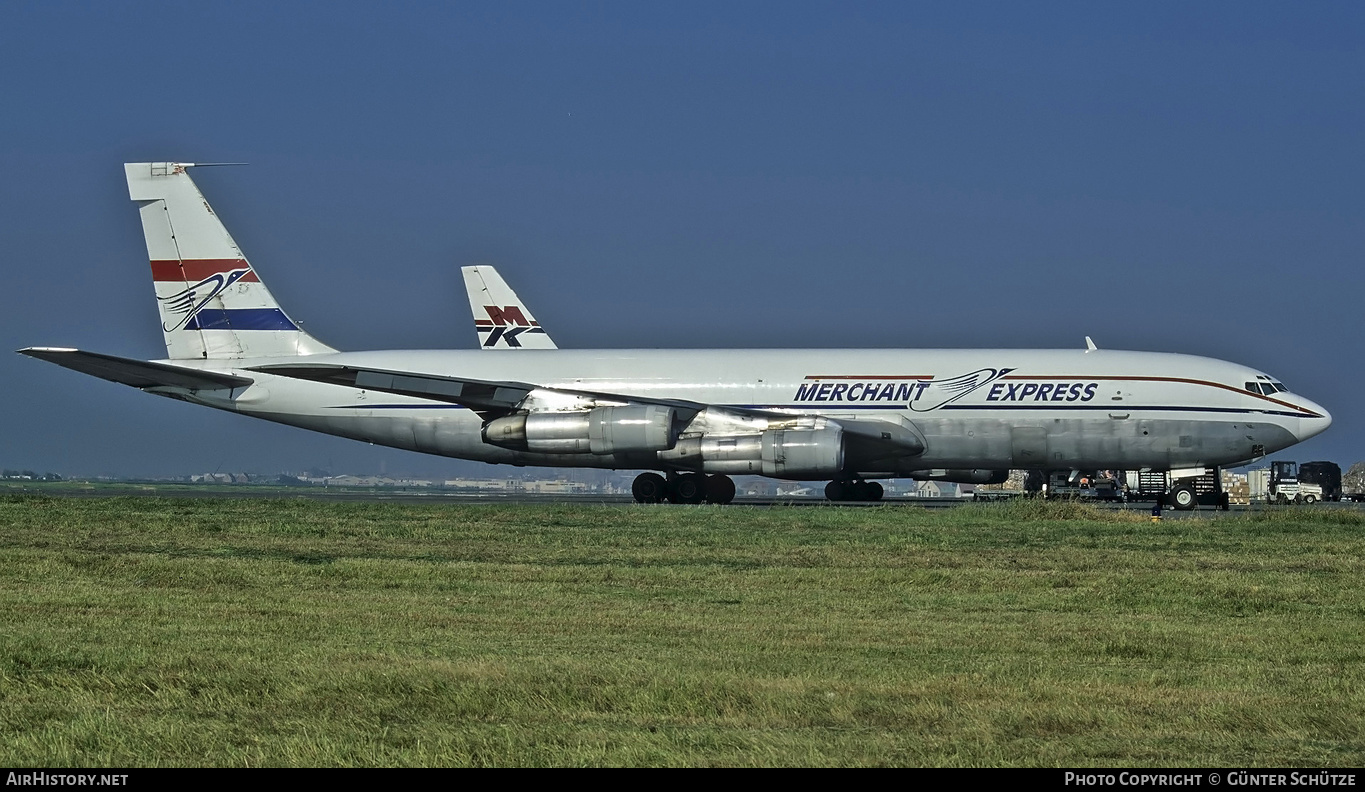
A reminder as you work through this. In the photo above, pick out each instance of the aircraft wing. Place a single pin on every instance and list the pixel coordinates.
(137, 373)
(870, 438)
(481, 396)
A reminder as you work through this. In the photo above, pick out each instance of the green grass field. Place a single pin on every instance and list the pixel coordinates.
(151, 631)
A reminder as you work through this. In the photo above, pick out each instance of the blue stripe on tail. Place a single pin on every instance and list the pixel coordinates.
(240, 319)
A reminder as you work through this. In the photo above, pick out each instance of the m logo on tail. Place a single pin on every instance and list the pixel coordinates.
(510, 324)
(505, 323)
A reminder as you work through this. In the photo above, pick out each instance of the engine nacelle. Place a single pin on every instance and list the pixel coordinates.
(738, 454)
(603, 430)
(779, 453)
(803, 453)
(972, 476)
(546, 433)
(639, 427)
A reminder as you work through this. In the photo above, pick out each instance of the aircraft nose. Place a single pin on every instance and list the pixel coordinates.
(1310, 426)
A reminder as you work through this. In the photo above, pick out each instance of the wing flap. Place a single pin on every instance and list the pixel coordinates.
(137, 373)
(486, 395)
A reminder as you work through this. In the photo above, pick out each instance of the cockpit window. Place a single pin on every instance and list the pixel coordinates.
(1266, 386)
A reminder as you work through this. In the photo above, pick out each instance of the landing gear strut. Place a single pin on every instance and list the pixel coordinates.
(683, 488)
(854, 490)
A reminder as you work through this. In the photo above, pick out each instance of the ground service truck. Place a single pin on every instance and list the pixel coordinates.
(1285, 486)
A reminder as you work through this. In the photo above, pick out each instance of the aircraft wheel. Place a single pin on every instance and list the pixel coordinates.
(874, 491)
(1184, 499)
(688, 488)
(649, 488)
(720, 489)
(838, 490)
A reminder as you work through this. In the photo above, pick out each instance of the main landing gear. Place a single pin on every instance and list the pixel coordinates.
(683, 488)
(855, 490)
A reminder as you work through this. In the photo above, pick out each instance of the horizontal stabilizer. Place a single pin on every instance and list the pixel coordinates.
(137, 373)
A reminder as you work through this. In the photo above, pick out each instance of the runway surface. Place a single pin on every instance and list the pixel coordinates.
(423, 495)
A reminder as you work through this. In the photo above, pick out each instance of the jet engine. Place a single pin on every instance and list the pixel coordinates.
(778, 453)
(603, 430)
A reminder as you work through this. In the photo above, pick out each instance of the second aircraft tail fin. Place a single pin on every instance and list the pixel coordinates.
(501, 319)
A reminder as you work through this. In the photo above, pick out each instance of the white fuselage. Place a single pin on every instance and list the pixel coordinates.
(1000, 408)
(838, 414)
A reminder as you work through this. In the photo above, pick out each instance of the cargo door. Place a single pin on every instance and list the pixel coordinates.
(1028, 447)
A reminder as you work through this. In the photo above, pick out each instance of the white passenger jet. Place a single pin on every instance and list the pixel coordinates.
(846, 416)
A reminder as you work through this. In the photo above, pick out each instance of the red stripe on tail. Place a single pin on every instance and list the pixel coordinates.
(195, 270)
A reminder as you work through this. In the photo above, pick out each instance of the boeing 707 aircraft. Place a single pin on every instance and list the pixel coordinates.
(688, 418)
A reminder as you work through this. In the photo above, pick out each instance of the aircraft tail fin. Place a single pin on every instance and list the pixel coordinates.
(211, 301)
(501, 319)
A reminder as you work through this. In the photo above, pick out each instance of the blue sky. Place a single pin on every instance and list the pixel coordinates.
(1171, 177)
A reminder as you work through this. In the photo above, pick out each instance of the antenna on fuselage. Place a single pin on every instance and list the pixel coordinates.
(1089, 345)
